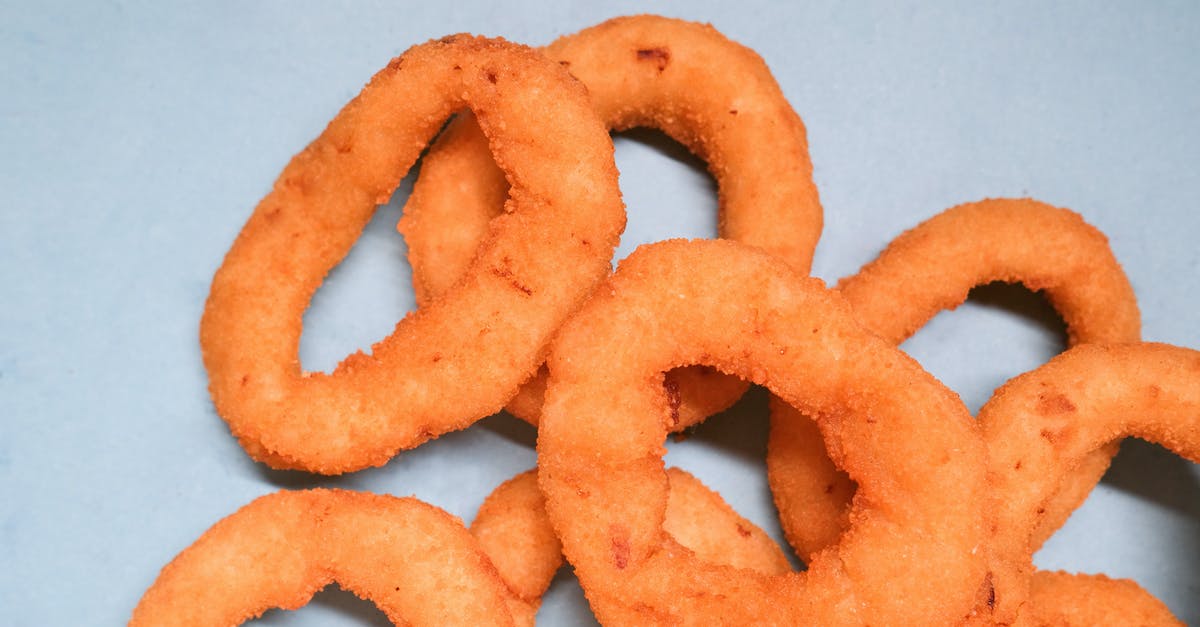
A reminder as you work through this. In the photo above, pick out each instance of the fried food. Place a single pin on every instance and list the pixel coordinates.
(1068, 600)
(1039, 426)
(415, 562)
(513, 530)
(913, 553)
(640, 71)
(460, 357)
(932, 268)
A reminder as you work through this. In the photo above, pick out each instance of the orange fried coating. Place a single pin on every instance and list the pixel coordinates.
(461, 357)
(640, 71)
(932, 268)
(914, 551)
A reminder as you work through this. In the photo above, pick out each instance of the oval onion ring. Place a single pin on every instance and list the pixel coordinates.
(913, 554)
(1039, 426)
(459, 358)
(641, 71)
(932, 268)
(414, 561)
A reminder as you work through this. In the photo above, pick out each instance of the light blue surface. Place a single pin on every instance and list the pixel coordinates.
(136, 137)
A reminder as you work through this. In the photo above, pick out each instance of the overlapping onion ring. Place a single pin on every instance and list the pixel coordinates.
(914, 551)
(407, 557)
(1041, 425)
(932, 268)
(513, 530)
(462, 356)
(641, 71)
(414, 561)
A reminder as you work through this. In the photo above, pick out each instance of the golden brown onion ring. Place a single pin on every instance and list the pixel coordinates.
(932, 268)
(513, 530)
(457, 359)
(640, 71)
(1040, 426)
(415, 562)
(1069, 600)
(914, 552)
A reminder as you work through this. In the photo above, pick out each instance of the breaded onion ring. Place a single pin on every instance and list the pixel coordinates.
(913, 554)
(641, 71)
(415, 562)
(932, 268)
(1067, 600)
(459, 358)
(513, 530)
(1040, 426)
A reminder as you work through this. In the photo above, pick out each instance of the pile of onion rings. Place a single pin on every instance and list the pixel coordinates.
(906, 510)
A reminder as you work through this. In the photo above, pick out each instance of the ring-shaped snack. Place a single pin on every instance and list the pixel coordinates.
(932, 268)
(513, 530)
(1039, 426)
(457, 359)
(414, 561)
(640, 71)
(1069, 600)
(914, 552)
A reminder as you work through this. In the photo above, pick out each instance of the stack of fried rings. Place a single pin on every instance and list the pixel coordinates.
(645, 553)
(914, 551)
(640, 71)
(932, 268)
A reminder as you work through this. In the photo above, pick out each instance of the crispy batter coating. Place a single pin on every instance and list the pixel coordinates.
(1039, 426)
(461, 356)
(913, 553)
(513, 530)
(932, 268)
(1069, 600)
(414, 561)
(641, 71)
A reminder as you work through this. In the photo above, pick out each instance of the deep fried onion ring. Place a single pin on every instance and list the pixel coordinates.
(1069, 600)
(1039, 426)
(641, 71)
(513, 530)
(459, 358)
(913, 554)
(412, 560)
(932, 268)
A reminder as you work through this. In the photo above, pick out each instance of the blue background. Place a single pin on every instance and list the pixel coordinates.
(135, 138)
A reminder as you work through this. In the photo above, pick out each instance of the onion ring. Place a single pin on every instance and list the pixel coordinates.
(932, 268)
(640, 71)
(914, 552)
(415, 562)
(1069, 600)
(513, 530)
(456, 360)
(1039, 426)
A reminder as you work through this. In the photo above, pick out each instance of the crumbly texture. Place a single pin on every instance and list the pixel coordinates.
(913, 553)
(930, 269)
(641, 71)
(1039, 426)
(460, 357)
(418, 564)
(1070, 600)
(514, 531)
